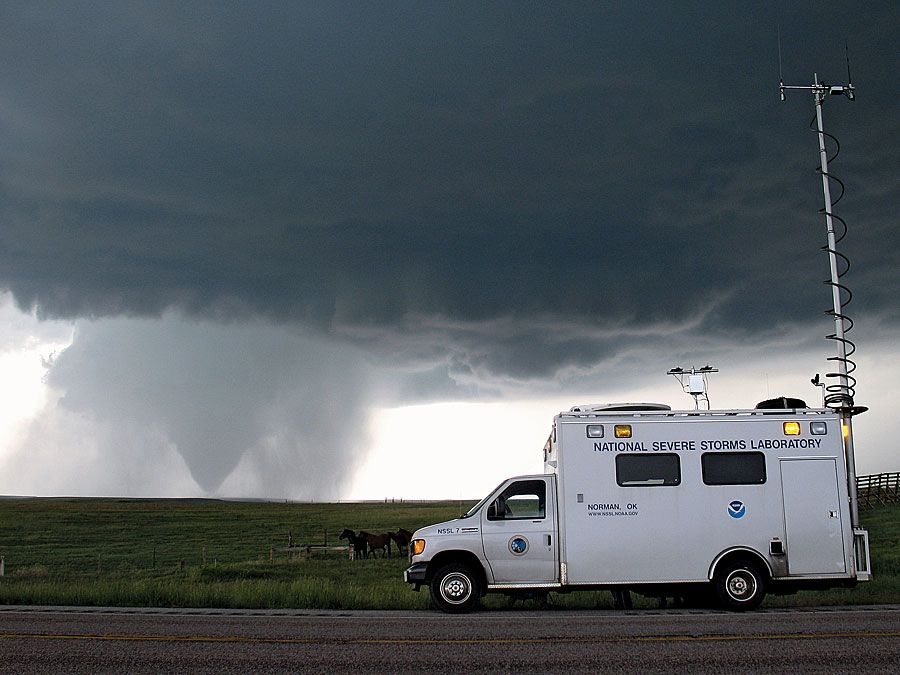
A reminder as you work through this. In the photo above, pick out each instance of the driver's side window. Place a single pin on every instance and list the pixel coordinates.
(523, 500)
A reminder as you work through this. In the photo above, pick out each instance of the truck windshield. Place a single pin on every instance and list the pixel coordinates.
(475, 508)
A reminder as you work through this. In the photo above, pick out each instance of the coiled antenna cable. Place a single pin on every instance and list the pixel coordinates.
(840, 393)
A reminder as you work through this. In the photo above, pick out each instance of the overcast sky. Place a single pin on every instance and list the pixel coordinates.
(239, 233)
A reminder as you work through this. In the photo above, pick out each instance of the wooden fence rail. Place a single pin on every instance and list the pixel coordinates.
(878, 489)
(310, 550)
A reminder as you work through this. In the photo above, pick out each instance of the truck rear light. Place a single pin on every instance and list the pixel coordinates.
(623, 431)
(792, 428)
(595, 431)
(818, 428)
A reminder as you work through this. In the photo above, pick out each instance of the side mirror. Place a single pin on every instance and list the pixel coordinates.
(492, 511)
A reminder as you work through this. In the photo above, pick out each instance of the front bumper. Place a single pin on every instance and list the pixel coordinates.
(415, 574)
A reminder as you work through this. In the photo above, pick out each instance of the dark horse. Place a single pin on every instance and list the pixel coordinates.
(378, 541)
(359, 544)
(402, 538)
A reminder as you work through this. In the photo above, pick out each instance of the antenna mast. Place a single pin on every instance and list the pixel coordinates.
(820, 92)
(841, 398)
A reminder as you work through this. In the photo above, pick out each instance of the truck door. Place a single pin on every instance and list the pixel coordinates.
(519, 532)
(812, 516)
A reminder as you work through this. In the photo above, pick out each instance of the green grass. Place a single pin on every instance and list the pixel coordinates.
(81, 537)
(127, 552)
(206, 553)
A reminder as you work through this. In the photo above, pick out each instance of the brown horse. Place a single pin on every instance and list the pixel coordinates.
(378, 541)
(402, 538)
(359, 544)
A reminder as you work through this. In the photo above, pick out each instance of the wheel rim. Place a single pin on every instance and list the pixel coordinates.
(741, 585)
(456, 588)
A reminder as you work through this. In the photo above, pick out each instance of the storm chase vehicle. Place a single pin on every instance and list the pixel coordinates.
(725, 503)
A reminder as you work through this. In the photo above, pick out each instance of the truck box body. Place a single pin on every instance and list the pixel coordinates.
(640, 496)
(638, 510)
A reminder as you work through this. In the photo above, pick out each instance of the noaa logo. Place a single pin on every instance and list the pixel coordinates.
(737, 509)
(518, 545)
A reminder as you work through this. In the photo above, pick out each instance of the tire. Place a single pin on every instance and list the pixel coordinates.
(455, 589)
(740, 585)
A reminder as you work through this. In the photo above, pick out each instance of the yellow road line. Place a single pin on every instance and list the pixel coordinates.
(440, 641)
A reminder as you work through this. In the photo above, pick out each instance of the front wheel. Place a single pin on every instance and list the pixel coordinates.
(741, 585)
(455, 588)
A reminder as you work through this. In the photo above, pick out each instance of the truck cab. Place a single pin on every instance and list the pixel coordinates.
(509, 540)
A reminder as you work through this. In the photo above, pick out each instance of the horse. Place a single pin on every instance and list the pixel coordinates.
(402, 538)
(359, 543)
(378, 541)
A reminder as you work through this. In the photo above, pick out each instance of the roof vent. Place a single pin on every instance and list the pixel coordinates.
(781, 403)
(618, 407)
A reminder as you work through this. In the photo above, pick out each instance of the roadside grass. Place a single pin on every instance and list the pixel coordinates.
(208, 553)
(312, 589)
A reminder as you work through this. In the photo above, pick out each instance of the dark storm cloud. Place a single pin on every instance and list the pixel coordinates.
(505, 171)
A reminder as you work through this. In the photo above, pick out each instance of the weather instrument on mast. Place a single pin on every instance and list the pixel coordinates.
(694, 381)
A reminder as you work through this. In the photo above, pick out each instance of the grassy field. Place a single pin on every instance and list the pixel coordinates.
(207, 553)
(202, 553)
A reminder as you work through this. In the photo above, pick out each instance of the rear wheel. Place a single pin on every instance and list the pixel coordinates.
(740, 585)
(455, 588)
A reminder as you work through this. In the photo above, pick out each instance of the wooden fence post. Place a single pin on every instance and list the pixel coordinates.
(2, 566)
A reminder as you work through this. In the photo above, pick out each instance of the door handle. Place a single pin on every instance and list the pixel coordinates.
(548, 540)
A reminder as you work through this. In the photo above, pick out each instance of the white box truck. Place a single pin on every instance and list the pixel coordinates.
(727, 504)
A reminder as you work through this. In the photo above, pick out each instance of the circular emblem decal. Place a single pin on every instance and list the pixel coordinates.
(737, 509)
(518, 545)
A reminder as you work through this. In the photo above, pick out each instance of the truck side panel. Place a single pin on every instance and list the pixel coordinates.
(672, 526)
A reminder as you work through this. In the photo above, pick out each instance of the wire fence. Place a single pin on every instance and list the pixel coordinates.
(878, 489)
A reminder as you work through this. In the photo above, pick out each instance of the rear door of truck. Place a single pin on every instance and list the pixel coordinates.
(812, 516)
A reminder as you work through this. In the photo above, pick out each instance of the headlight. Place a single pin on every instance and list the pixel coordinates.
(417, 546)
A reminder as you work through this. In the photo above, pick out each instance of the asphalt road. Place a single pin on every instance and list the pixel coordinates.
(83, 640)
